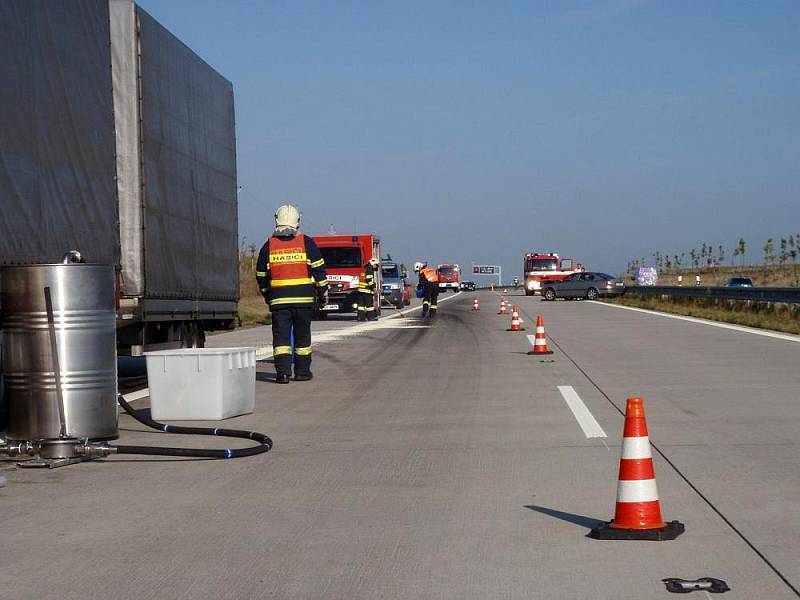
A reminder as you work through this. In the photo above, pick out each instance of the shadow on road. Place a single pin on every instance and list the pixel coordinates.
(583, 521)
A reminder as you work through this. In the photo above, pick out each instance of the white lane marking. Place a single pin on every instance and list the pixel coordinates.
(591, 428)
(330, 336)
(741, 328)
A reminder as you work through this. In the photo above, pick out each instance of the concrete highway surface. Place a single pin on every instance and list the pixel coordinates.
(438, 460)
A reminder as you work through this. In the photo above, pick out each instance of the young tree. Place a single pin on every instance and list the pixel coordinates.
(695, 258)
(784, 254)
(721, 255)
(741, 249)
(769, 252)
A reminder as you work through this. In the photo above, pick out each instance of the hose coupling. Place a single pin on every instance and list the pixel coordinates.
(20, 448)
(99, 449)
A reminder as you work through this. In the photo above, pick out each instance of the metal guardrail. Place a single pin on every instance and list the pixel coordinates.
(757, 294)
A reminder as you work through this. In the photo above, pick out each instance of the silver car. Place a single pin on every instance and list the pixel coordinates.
(583, 285)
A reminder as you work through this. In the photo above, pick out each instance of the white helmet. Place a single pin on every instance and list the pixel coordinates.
(287, 216)
(374, 261)
(418, 266)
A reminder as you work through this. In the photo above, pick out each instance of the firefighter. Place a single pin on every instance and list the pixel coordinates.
(429, 284)
(291, 276)
(366, 291)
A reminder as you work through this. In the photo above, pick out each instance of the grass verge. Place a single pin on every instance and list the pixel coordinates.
(762, 275)
(253, 311)
(763, 315)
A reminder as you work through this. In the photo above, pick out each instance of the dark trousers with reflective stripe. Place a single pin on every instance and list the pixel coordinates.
(430, 300)
(283, 319)
(366, 306)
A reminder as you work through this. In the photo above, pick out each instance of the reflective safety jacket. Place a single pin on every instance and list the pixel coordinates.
(429, 275)
(366, 281)
(291, 271)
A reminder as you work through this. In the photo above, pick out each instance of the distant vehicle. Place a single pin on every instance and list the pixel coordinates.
(645, 276)
(449, 277)
(468, 286)
(584, 285)
(539, 268)
(739, 282)
(396, 289)
(345, 257)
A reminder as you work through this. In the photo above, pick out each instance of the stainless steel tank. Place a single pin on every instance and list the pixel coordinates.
(84, 330)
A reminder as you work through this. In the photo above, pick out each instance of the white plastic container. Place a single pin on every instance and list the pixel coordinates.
(201, 383)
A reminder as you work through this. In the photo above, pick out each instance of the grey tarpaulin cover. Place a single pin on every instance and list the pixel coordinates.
(57, 187)
(71, 120)
(189, 171)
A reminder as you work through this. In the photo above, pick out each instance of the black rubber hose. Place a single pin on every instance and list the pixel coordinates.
(264, 442)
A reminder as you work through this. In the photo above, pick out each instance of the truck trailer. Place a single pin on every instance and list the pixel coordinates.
(118, 141)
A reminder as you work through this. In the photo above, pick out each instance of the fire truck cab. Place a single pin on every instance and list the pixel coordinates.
(540, 268)
(345, 257)
(449, 277)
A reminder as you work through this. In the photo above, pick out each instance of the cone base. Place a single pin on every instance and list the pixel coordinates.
(520, 329)
(604, 531)
(535, 353)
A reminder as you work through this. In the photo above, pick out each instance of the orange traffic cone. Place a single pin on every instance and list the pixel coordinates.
(540, 339)
(502, 307)
(516, 322)
(638, 513)
(476, 305)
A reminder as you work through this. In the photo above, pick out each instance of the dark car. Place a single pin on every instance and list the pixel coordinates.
(584, 285)
(468, 286)
(739, 282)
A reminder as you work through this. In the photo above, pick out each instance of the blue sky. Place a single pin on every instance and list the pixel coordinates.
(477, 131)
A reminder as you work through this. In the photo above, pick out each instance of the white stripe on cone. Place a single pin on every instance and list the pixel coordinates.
(641, 490)
(636, 447)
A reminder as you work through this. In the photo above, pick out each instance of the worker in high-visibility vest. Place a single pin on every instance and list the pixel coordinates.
(429, 284)
(291, 276)
(366, 291)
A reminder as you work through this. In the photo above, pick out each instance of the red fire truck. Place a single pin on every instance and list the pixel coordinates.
(542, 267)
(449, 277)
(345, 256)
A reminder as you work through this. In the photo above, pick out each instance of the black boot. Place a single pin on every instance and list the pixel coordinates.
(282, 378)
(304, 376)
